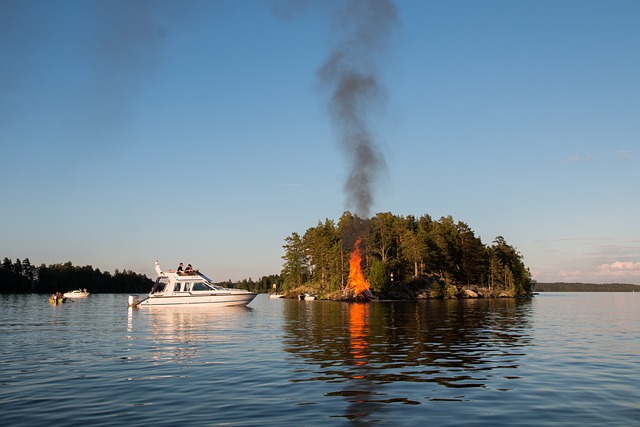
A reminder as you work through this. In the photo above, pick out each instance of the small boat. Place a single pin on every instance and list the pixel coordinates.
(57, 299)
(78, 293)
(275, 296)
(308, 296)
(190, 288)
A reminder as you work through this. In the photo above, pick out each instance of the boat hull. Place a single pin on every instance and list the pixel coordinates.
(76, 294)
(218, 300)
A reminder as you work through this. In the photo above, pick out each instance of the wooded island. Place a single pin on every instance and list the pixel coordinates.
(403, 258)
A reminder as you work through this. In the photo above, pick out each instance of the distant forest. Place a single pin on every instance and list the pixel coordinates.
(401, 255)
(586, 287)
(23, 277)
(20, 276)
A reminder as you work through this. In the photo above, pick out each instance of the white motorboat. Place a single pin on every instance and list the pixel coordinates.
(190, 287)
(78, 293)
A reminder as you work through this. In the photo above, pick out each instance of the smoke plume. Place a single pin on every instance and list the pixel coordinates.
(351, 76)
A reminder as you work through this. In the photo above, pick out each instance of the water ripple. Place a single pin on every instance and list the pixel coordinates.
(556, 360)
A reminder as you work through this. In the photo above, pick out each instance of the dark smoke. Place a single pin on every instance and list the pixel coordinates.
(129, 41)
(117, 45)
(351, 75)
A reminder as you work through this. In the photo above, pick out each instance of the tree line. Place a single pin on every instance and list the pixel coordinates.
(265, 284)
(586, 287)
(400, 253)
(20, 276)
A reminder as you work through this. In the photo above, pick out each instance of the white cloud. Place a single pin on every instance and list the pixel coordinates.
(619, 269)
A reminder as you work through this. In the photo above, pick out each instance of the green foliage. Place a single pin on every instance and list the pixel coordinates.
(507, 271)
(450, 290)
(378, 277)
(437, 291)
(22, 277)
(265, 284)
(444, 289)
(409, 248)
(322, 249)
(295, 271)
(13, 278)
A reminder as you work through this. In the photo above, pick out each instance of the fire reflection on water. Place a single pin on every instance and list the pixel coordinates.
(359, 332)
(360, 389)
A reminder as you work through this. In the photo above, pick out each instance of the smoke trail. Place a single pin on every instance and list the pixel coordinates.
(113, 46)
(129, 40)
(350, 73)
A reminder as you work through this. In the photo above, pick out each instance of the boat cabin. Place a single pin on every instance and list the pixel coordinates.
(176, 283)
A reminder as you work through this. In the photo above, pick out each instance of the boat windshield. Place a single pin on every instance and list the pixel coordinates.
(210, 283)
(200, 286)
(161, 283)
(205, 277)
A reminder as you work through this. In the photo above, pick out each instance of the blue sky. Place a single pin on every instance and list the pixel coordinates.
(198, 131)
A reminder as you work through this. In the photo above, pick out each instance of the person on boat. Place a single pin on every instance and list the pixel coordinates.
(189, 268)
(179, 267)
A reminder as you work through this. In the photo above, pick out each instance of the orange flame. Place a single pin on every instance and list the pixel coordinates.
(357, 283)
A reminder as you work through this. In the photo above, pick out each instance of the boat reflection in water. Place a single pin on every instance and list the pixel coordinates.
(180, 334)
(379, 352)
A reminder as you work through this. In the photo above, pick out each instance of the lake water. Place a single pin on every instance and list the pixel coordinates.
(557, 359)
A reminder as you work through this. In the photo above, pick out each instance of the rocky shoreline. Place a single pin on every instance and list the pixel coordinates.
(411, 293)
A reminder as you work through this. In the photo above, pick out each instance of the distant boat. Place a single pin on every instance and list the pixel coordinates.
(190, 288)
(276, 296)
(78, 293)
(57, 299)
(308, 296)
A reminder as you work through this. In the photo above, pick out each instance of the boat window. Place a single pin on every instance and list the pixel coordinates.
(160, 284)
(187, 286)
(200, 286)
(176, 288)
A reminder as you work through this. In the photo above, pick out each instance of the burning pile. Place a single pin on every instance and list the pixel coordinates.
(357, 286)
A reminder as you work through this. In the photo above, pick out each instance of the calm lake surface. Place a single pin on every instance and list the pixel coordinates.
(557, 359)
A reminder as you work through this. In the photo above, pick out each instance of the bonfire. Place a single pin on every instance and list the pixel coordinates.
(358, 288)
